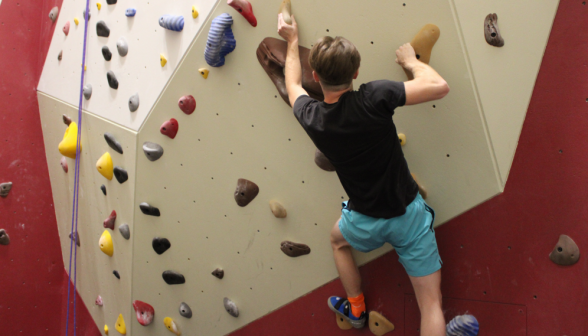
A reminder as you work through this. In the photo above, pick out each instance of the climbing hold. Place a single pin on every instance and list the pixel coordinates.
(322, 161)
(278, 209)
(171, 325)
(245, 192)
(194, 12)
(103, 188)
(162, 60)
(76, 21)
(4, 238)
(89, 15)
(121, 175)
(53, 13)
(66, 120)
(130, 12)
(105, 243)
(99, 5)
(144, 311)
(152, 150)
(64, 164)
(5, 188)
(170, 128)
(102, 29)
(294, 249)
(122, 47)
(491, 31)
(423, 43)
(187, 104)
(160, 245)
(120, 321)
(342, 323)
(125, 231)
(99, 301)
(244, 7)
(149, 209)
(65, 28)
(134, 102)
(565, 252)
(104, 165)
(173, 278)
(185, 310)
(87, 91)
(115, 272)
(111, 2)
(203, 72)
(109, 221)
(231, 307)
(106, 53)
(286, 11)
(113, 143)
(67, 146)
(402, 139)
(422, 189)
(106, 329)
(76, 238)
(379, 325)
(172, 22)
(112, 81)
(462, 325)
(219, 273)
(271, 54)
(221, 40)
(60, 55)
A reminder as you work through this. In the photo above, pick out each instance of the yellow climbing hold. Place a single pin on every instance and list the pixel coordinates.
(67, 146)
(203, 72)
(99, 5)
(120, 325)
(104, 165)
(194, 12)
(162, 60)
(77, 21)
(106, 329)
(402, 139)
(105, 243)
(171, 325)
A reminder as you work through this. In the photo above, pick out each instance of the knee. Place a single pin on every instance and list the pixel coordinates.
(337, 240)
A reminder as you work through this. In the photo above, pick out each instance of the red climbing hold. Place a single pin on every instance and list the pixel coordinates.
(109, 222)
(187, 104)
(244, 7)
(64, 164)
(145, 312)
(170, 128)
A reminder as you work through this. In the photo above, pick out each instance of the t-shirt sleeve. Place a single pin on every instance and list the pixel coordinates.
(384, 95)
(303, 109)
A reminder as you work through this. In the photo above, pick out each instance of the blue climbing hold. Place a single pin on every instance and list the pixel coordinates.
(463, 325)
(130, 12)
(221, 40)
(172, 22)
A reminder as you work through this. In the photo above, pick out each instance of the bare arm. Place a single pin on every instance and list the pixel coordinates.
(293, 70)
(427, 84)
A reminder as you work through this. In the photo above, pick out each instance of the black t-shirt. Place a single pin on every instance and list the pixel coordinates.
(359, 138)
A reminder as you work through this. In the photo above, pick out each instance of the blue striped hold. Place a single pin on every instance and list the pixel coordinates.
(221, 40)
(172, 22)
(130, 12)
(463, 325)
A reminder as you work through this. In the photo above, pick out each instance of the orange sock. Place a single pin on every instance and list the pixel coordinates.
(357, 305)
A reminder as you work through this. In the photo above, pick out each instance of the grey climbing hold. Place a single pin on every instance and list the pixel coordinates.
(122, 47)
(89, 15)
(130, 12)
(53, 13)
(125, 231)
(102, 29)
(4, 238)
(160, 245)
(103, 188)
(5, 188)
(115, 272)
(76, 238)
(87, 91)
(219, 273)
(185, 310)
(106, 53)
(134, 102)
(173, 278)
(231, 307)
(121, 175)
(60, 56)
(565, 252)
(112, 81)
(221, 40)
(152, 150)
(112, 142)
(111, 2)
(149, 209)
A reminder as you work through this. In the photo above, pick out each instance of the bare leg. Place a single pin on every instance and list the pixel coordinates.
(428, 294)
(345, 263)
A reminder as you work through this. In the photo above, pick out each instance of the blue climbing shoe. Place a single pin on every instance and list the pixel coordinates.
(463, 325)
(343, 307)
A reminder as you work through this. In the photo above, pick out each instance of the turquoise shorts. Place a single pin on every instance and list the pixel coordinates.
(411, 235)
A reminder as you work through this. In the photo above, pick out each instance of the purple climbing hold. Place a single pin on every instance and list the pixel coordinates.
(463, 325)
(221, 40)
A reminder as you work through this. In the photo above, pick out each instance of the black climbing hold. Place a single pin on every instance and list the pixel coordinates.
(106, 53)
(173, 278)
(112, 81)
(160, 245)
(116, 274)
(102, 29)
(149, 209)
(125, 231)
(322, 161)
(4, 238)
(60, 56)
(185, 310)
(219, 273)
(121, 175)
(111, 2)
(152, 151)
(112, 142)
(76, 238)
(103, 188)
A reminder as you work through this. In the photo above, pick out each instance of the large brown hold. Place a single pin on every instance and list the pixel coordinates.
(271, 54)
(342, 323)
(379, 325)
(565, 252)
(294, 249)
(423, 44)
(246, 191)
(322, 161)
(491, 31)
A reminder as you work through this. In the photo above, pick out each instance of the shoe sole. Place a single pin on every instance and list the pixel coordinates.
(357, 324)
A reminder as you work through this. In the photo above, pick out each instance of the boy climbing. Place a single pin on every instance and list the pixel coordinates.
(355, 131)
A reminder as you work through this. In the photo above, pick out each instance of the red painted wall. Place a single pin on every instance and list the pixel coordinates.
(33, 283)
(497, 253)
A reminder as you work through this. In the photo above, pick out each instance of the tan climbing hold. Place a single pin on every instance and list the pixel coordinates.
(104, 166)
(491, 31)
(565, 252)
(162, 60)
(120, 325)
(422, 189)
(194, 12)
(171, 326)
(105, 243)
(286, 11)
(342, 323)
(67, 146)
(278, 209)
(379, 325)
(203, 72)
(402, 139)
(423, 44)
(106, 329)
